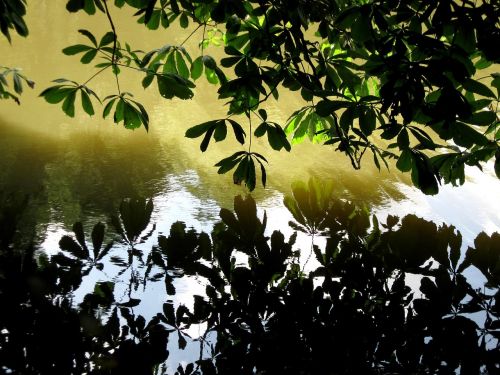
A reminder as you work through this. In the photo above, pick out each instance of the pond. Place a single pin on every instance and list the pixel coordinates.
(81, 169)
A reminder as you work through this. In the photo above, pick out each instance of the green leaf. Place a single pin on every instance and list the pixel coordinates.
(165, 22)
(261, 130)
(18, 85)
(403, 139)
(301, 129)
(251, 178)
(69, 104)
(263, 173)
(181, 65)
(349, 79)
(390, 131)
(361, 29)
(154, 21)
(346, 119)
(197, 68)
(465, 38)
(466, 136)
(146, 82)
(424, 138)
(225, 165)
(119, 110)
(108, 107)
(147, 58)
(89, 7)
(478, 88)
(131, 117)
(78, 48)
(143, 115)
(184, 21)
(171, 85)
(422, 174)
(240, 173)
(209, 62)
(211, 76)
(367, 121)
(239, 133)
(88, 56)
(86, 103)
(206, 140)
(496, 83)
(198, 130)
(55, 94)
(405, 161)
(326, 107)
(228, 62)
(89, 35)
(274, 139)
(294, 121)
(220, 131)
(169, 66)
(107, 39)
(482, 118)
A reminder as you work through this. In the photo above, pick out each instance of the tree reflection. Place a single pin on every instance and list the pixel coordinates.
(355, 312)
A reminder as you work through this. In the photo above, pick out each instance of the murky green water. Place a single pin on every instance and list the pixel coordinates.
(81, 168)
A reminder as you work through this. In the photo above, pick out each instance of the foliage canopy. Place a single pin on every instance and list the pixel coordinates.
(400, 80)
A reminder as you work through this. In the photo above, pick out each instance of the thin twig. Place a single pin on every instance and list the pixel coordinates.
(114, 58)
(113, 29)
(190, 35)
(265, 97)
(95, 75)
(117, 82)
(203, 38)
(250, 136)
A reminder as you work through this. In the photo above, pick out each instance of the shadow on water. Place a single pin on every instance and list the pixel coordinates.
(378, 297)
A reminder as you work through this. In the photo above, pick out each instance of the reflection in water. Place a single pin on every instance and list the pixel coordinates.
(239, 302)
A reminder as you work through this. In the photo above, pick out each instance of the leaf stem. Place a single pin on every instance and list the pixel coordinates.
(117, 82)
(190, 35)
(115, 40)
(250, 132)
(95, 75)
(203, 38)
(113, 29)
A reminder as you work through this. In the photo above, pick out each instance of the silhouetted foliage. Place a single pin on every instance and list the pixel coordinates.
(11, 17)
(399, 80)
(381, 298)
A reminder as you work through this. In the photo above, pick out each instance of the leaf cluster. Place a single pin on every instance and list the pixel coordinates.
(17, 82)
(11, 17)
(66, 92)
(373, 74)
(397, 80)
